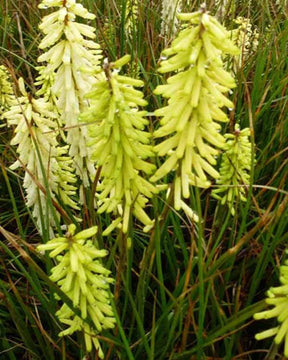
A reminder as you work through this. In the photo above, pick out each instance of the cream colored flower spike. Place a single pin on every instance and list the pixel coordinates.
(170, 9)
(35, 137)
(120, 145)
(82, 277)
(246, 38)
(196, 93)
(70, 54)
(40, 155)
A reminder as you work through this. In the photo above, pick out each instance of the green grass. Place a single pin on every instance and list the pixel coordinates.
(185, 290)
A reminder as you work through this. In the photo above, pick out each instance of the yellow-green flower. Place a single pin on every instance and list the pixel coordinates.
(190, 123)
(235, 169)
(82, 277)
(120, 145)
(131, 16)
(278, 298)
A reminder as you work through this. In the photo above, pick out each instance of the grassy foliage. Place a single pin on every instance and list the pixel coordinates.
(185, 290)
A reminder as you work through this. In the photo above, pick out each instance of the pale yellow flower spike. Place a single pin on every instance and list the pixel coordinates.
(82, 277)
(277, 297)
(7, 97)
(235, 169)
(246, 38)
(131, 15)
(71, 53)
(120, 145)
(169, 20)
(190, 122)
